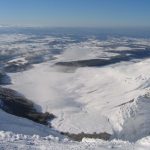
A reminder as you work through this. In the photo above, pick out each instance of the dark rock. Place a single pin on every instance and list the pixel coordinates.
(93, 62)
(14, 67)
(120, 57)
(41, 117)
(35, 59)
(4, 78)
(80, 136)
(16, 104)
(131, 101)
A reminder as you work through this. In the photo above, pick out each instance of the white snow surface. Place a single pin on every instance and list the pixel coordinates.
(18, 133)
(19, 125)
(8, 141)
(84, 98)
(113, 99)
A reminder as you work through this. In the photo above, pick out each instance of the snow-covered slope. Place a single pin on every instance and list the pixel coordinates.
(12, 141)
(86, 95)
(19, 125)
(113, 98)
(18, 133)
(131, 121)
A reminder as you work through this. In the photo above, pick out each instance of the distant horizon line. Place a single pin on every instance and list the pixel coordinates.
(65, 27)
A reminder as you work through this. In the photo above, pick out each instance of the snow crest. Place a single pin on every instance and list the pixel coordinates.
(131, 120)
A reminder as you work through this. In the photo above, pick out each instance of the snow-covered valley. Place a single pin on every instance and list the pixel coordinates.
(111, 95)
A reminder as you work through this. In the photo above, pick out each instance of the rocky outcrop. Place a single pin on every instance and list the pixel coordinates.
(16, 104)
(4, 78)
(80, 136)
(120, 57)
(93, 62)
(14, 67)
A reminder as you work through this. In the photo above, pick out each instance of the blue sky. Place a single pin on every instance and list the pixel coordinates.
(76, 13)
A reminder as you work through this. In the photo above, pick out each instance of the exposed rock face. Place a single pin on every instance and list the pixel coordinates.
(4, 79)
(122, 56)
(80, 136)
(92, 62)
(16, 104)
(13, 67)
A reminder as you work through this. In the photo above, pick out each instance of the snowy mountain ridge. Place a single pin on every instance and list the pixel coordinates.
(111, 96)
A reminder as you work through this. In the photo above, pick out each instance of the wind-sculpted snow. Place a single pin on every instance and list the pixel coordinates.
(92, 85)
(85, 96)
(131, 121)
(8, 140)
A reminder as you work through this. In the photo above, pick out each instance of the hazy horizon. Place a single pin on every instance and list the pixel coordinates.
(69, 13)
